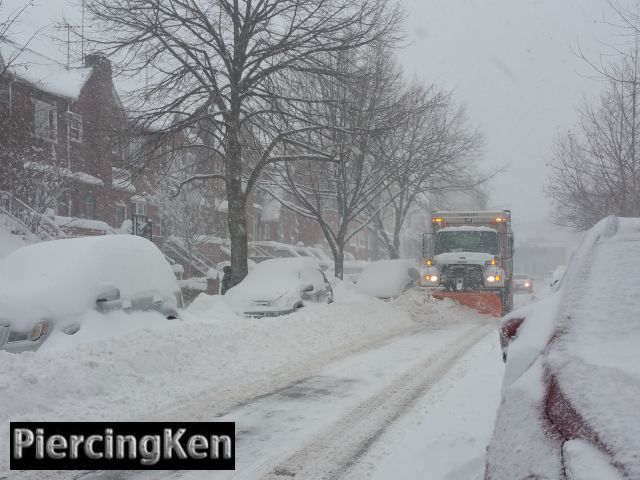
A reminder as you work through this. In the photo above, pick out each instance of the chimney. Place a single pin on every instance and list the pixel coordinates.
(99, 62)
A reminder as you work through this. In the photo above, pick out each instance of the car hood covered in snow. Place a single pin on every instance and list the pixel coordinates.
(62, 278)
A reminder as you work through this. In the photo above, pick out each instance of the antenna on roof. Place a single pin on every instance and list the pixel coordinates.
(82, 32)
(65, 25)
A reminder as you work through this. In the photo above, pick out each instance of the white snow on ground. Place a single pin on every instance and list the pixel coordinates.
(9, 242)
(444, 436)
(212, 357)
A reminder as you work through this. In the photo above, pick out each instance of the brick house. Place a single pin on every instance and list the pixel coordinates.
(74, 118)
(68, 117)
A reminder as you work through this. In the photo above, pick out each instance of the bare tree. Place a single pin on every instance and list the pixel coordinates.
(185, 212)
(595, 170)
(224, 66)
(37, 179)
(359, 107)
(8, 20)
(432, 152)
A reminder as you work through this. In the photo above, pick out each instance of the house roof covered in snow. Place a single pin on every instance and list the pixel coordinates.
(121, 180)
(43, 72)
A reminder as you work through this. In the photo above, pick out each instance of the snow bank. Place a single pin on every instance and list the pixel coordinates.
(9, 242)
(213, 356)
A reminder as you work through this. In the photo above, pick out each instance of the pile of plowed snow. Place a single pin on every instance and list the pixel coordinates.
(212, 357)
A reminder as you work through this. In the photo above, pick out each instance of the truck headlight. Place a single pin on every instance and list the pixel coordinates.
(493, 278)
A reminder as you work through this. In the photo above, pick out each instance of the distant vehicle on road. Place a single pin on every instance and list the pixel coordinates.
(571, 390)
(522, 283)
(51, 285)
(388, 278)
(280, 286)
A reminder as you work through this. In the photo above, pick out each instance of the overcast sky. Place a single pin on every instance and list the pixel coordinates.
(509, 61)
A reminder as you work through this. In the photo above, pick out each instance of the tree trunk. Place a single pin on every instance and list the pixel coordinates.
(338, 257)
(395, 251)
(236, 216)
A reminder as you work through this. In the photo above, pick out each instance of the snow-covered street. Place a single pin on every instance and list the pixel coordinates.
(348, 398)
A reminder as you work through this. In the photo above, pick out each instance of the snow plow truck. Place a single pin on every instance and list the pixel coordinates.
(468, 257)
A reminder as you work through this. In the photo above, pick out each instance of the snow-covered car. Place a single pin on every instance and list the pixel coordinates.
(387, 278)
(352, 269)
(522, 283)
(262, 250)
(571, 390)
(280, 286)
(51, 285)
(324, 261)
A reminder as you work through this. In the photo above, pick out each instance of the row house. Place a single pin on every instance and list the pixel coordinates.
(52, 116)
(73, 120)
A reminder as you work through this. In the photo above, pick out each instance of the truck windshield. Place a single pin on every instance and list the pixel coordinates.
(466, 241)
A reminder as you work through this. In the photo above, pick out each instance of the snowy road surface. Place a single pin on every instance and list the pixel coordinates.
(419, 396)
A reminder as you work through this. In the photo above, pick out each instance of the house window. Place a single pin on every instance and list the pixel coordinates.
(140, 207)
(115, 147)
(75, 127)
(136, 153)
(267, 232)
(90, 207)
(255, 229)
(46, 121)
(121, 214)
(63, 205)
(5, 93)
(362, 240)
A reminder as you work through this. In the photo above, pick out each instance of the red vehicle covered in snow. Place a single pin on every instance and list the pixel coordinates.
(571, 389)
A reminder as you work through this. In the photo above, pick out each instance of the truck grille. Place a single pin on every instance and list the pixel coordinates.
(472, 275)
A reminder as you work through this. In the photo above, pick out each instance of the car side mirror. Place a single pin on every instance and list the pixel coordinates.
(108, 294)
(307, 289)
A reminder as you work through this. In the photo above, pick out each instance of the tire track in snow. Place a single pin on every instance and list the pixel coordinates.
(332, 452)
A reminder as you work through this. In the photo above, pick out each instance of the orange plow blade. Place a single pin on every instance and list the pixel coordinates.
(487, 303)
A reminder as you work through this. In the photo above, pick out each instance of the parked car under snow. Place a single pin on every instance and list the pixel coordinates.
(51, 285)
(571, 390)
(387, 278)
(280, 286)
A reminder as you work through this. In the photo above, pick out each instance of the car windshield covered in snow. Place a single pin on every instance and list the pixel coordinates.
(450, 241)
